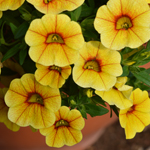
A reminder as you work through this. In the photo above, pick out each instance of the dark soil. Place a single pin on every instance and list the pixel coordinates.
(114, 139)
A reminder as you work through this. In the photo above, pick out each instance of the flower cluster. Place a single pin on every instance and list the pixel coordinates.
(69, 71)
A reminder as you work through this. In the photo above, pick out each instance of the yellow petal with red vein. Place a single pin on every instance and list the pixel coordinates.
(116, 39)
(20, 114)
(42, 76)
(43, 118)
(38, 31)
(65, 72)
(49, 22)
(28, 82)
(55, 7)
(142, 107)
(64, 55)
(142, 20)
(64, 112)
(9, 4)
(25, 115)
(75, 119)
(47, 131)
(42, 54)
(137, 36)
(137, 124)
(104, 20)
(73, 35)
(61, 21)
(122, 119)
(57, 137)
(89, 50)
(51, 97)
(115, 97)
(16, 91)
(15, 4)
(129, 131)
(41, 66)
(73, 136)
(71, 4)
(114, 7)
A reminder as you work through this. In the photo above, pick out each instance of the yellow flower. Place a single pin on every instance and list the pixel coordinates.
(53, 76)
(118, 95)
(97, 67)
(4, 112)
(135, 118)
(66, 130)
(10, 4)
(32, 103)
(123, 23)
(54, 39)
(55, 6)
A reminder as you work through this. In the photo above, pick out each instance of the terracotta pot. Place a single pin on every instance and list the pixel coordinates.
(26, 139)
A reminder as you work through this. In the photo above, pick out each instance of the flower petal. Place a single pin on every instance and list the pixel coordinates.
(16, 91)
(38, 31)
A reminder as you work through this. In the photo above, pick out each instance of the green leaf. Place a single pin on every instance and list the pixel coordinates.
(98, 100)
(22, 55)
(148, 70)
(126, 50)
(11, 52)
(142, 86)
(95, 110)
(76, 14)
(142, 76)
(82, 111)
(114, 108)
(148, 46)
(21, 31)
(83, 100)
(125, 71)
(13, 28)
(86, 11)
(91, 3)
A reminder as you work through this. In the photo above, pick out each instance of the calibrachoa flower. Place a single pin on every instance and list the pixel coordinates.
(135, 118)
(118, 95)
(32, 103)
(4, 112)
(66, 129)
(10, 4)
(123, 23)
(53, 76)
(55, 6)
(54, 39)
(97, 67)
